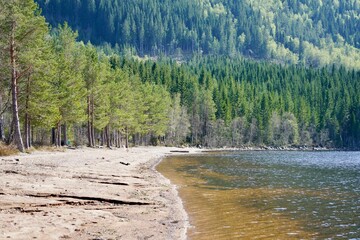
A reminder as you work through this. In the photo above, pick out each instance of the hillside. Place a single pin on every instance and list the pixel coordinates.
(314, 33)
(56, 90)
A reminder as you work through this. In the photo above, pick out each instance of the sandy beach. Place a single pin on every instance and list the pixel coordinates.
(89, 194)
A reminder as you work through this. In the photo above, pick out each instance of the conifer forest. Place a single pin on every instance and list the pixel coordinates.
(210, 73)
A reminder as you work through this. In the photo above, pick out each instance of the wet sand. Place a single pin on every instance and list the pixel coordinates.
(90, 194)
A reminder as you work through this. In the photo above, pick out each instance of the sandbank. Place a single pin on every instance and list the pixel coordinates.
(90, 194)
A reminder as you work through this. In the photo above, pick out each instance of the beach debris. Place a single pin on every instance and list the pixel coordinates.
(126, 164)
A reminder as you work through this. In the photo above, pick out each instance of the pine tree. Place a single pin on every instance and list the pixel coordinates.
(21, 27)
(68, 85)
(39, 102)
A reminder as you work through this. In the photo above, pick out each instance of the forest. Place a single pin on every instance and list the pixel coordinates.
(307, 32)
(58, 90)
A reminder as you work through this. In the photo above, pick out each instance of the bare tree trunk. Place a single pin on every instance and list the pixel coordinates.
(2, 131)
(10, 137)
(65, 139)
(58, 136)
(114, 138)
(127, 137)
(27, 118)
(53, 136)
(92, 121)
(14, 87)
(120, 139)
(27, 131)
(89, 125)
(108, 140)
(31, 134)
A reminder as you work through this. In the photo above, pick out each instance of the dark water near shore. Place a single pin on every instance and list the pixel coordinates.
(262, 195)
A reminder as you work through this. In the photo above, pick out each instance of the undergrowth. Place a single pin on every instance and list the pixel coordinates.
(7, 150)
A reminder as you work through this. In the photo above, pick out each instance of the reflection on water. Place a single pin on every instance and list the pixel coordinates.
(283, 195)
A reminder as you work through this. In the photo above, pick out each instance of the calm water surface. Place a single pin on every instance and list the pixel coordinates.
(262, 195)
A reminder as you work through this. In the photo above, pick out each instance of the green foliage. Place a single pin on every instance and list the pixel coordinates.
(315, 33)
(68, 84)
(22, 38)
(209, 100)
(179, 124)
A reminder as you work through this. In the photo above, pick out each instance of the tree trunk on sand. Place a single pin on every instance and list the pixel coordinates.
(10, 136)
(53, 136)
(14, 87)
(58, 135)
(2, 131)
(127, 137)
(27, 131)
(119, 139)
(92, 121)
(27, 117)
(65, 135)
(107, 137)
(90, 129)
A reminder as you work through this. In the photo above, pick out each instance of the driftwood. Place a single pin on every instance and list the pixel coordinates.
(85, 198)
(126, 164)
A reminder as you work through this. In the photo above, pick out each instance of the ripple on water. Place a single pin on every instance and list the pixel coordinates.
(269, 195)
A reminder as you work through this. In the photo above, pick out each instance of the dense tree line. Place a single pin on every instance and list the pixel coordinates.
(54, 82)
(315, 33)
(237, 102)
(56, 90)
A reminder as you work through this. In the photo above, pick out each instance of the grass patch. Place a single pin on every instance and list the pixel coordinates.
(48, 149)
(7, 150)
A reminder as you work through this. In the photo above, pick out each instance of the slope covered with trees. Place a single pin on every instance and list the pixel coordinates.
(315, 33)
(236, 102)
(57, 90)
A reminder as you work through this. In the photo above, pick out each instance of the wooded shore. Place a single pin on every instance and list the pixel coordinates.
(90, 194)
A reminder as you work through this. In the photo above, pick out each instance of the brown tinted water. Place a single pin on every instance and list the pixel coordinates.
(250, 204)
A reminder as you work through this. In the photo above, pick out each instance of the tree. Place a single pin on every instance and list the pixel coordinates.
(39, 102)
(289, 129)
(207, 114)
(179, 125)
(275, 130)
(237, 129)
(68, 84)
(96, 72)
(102, 104)
(21, 26)
(156, 102)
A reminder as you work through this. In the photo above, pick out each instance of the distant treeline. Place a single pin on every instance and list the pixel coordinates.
(308, 32)
(236, 102)
(56, 90)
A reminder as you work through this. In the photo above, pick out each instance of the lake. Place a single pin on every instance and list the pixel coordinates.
(269, 194)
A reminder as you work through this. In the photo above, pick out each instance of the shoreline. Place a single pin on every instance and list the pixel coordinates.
(177, 208)
(75, 194)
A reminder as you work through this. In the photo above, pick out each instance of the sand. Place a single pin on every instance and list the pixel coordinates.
(89, 194)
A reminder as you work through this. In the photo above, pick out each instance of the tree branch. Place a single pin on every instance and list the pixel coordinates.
(27, 33)
(6, 105)
(24, 72)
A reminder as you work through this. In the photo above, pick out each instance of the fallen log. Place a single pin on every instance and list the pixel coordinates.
(86, 198)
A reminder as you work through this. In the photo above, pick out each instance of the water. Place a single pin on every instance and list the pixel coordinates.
(262, 195)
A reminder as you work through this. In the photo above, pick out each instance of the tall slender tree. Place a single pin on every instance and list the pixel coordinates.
(69, 83)
(21, 25)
